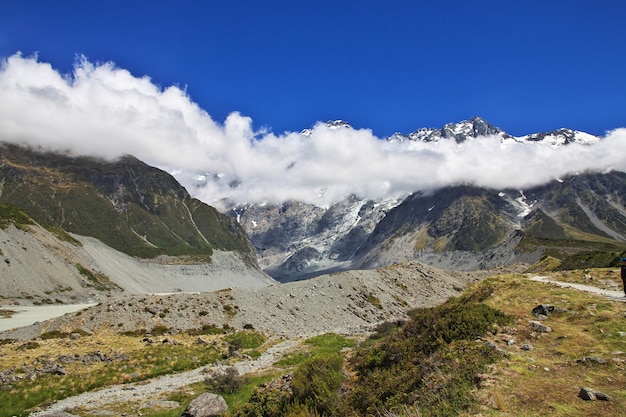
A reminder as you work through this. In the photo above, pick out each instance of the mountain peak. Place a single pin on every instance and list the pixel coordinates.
(560, 137)
(461, 131)
(331, 124)
(477, 127)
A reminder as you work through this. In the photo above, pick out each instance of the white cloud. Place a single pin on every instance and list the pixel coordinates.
(106, 111)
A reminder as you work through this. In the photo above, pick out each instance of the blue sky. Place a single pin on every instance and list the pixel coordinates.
(216, 92)
(389, 66)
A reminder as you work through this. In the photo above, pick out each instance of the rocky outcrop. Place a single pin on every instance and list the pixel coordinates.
(295, 240)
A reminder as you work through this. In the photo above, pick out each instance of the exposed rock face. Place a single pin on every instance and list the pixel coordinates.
(461, 227)
(206, 405)
(459, 132)
(295, 240)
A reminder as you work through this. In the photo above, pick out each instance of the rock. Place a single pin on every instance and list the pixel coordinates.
(75, 336)
(589, 394)
(527, 346)
(542, 311)
(151, 309)
(57, 414)
(201, 341)
(541, 328)
(54, 369)
(594, 359)
(206, 405)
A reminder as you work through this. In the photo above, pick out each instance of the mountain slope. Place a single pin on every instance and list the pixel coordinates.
(128, 205)
(462, 227)
(39, 266)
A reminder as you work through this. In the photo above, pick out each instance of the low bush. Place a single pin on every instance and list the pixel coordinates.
(435, 354)
(227, 382)
(317, 381)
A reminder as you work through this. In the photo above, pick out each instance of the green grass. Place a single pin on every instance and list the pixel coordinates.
(10, 214)
(245, 392)
(245, 339)
(62, 235)
(97, 280)
(317, 345)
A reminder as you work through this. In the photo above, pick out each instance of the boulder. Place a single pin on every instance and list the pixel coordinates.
(542, 311)
(206, 405)
(594, 359)
(541, 328)
(589, 394)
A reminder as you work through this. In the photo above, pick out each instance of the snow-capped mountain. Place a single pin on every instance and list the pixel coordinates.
(560, 137)
(295, 240)
(333, 124)
(460, 132)
(463, 228)
(476, 127)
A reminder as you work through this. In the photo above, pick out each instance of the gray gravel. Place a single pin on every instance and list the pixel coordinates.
(346, 302)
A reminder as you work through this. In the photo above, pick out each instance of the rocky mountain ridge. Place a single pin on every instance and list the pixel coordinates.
(127, 204)
(80, 229)
(458, 228)
(477, 127)
(462, 227)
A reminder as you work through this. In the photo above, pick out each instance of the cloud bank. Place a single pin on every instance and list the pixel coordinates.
(105, 111)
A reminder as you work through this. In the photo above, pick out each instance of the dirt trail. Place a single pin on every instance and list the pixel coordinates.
(614, 295)
(141, 392)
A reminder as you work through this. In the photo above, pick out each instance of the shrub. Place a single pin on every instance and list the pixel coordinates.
(159, 329)
(434, 353)
(265, 403)
(317, 381)
(227, 382)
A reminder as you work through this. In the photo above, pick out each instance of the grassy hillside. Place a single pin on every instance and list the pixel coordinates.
(481, 355)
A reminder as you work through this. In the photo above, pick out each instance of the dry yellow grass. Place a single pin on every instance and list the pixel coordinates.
(547, 379)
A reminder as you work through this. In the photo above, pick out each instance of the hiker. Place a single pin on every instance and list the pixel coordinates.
(624, 274)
